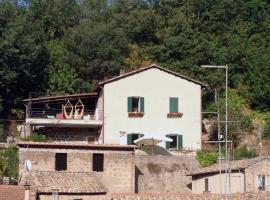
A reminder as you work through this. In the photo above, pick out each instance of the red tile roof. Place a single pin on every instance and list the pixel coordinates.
(11, 192)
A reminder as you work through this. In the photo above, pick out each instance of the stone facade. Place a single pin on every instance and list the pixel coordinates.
(164, 173)
(117, 176)
(183, 196)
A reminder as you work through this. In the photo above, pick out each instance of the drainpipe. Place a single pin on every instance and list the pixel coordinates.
(26, 191)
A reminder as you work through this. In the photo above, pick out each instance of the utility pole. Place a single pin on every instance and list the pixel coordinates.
(226, 126)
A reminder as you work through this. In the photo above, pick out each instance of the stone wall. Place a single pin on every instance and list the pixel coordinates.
(187, 196)
(118, 174)
(164, 173)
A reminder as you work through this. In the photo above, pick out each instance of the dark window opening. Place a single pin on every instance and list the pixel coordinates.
(173, 144)
(60, 161)
(135, 104)
(98, 162)
(132, 137)
(206, 185)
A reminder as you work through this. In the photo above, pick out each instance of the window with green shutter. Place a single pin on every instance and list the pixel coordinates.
(129, 104)
(131, 137)
(177, 142)
(141, 104)
(173, 104)
(180, 142)
(135, 105)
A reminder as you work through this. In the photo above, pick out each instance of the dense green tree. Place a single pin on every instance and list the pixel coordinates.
(65, 46)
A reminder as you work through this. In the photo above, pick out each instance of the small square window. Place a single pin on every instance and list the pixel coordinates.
(98, 162)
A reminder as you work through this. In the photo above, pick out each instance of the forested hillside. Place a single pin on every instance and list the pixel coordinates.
(67, 46)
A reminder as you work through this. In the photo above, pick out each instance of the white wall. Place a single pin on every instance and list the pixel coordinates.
(216, 183)
(156, 87)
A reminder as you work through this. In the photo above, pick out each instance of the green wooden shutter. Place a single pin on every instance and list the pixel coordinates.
(180, 142)
(141, 104)
(129, 104)
(129, 139)
(173, 104)
(167, 145)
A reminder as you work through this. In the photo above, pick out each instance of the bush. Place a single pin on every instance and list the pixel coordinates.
(243, 152)
(9, 161)
(207, 158)
(35, 137)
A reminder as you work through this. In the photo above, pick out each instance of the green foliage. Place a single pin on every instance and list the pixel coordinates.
(35, 137)
(240, 122)
(206, 158)
(9, 161)
(67, 46)
(61, 77)
(243, 152)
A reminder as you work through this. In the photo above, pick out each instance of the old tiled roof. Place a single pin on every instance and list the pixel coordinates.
(234, 165)
(150, 67)
(66, 182)
(11, 192)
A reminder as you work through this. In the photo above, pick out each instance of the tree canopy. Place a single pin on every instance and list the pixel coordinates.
(66, 46)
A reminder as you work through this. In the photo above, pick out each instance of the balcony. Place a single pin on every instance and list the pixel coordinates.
(79, 110)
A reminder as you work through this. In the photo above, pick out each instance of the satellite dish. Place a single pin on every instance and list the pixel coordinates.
(28, 165)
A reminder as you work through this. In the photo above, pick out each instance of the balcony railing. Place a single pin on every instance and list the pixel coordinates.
(57, 114)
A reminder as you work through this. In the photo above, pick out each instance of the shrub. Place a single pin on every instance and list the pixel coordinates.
(9, 161)
(35, 137)
(207, 158)
(243, 152)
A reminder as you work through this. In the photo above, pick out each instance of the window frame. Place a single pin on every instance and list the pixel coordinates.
(179, 145)
(134, 113)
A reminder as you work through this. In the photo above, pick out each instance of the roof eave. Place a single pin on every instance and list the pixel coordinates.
(203, 85)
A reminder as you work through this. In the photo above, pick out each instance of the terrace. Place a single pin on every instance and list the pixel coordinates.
(77, 110)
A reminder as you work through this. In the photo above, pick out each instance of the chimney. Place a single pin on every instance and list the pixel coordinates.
(26, 191)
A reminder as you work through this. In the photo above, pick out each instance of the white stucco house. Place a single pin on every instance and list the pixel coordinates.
(151, 101)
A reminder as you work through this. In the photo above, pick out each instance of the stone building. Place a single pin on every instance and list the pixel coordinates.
(248, 175)
(73, 171)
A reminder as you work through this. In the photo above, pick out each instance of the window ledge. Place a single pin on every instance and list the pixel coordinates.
(175, 115)
(136, 114)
